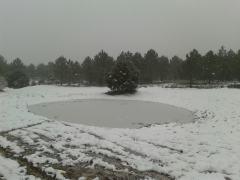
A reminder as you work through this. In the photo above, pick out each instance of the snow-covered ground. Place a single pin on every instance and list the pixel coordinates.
(10, 170)
(206, 149)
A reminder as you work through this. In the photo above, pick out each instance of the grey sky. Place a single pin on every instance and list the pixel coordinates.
(41, 30)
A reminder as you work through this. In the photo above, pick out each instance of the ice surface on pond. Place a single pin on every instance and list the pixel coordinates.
(113, 113)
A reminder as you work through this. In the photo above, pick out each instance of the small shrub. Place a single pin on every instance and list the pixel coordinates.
(17, 79)
(123, 78)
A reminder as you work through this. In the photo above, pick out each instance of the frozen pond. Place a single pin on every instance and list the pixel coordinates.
(112, 113)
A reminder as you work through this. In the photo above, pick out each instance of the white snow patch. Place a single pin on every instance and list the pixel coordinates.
(10, 170)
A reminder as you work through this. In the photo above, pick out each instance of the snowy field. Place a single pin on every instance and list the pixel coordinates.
(208, 149)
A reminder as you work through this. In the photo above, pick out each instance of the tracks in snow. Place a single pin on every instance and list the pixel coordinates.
(37, 146)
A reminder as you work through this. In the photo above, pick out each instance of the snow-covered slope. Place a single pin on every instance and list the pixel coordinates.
(206, 149)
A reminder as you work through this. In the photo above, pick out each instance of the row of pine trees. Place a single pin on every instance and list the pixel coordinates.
(221, 66)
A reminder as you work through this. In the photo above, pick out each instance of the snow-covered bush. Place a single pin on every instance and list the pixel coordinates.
(123, 78)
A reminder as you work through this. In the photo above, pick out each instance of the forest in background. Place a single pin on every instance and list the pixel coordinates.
(221, 66)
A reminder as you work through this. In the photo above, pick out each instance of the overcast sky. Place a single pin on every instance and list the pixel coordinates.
(41, 30)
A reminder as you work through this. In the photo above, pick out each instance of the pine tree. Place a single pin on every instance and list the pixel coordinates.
(17, 79)
(102, 64)
(150, 66)
(60, 69)
(123, 78)
(163, 68)
(175, 68)
(209, 66)
(3, 66)
(87, 70)
(191, 66)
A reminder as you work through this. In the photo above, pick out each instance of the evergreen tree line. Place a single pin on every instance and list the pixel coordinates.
(221, 66)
